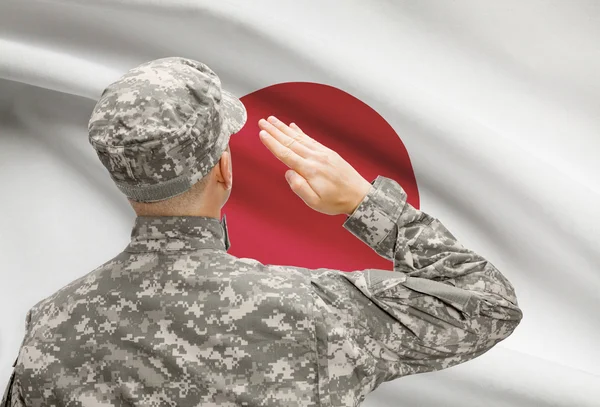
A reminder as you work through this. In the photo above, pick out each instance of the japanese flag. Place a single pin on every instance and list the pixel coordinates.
(486, 113)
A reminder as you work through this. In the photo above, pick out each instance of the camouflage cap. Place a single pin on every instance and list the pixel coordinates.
(163, 126)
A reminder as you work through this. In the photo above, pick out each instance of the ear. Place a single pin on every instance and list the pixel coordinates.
(226, 168)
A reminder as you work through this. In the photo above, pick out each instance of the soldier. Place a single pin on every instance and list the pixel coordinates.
(174, 320)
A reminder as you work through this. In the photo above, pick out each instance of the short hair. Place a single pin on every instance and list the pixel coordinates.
(174, 204)
(178, 203)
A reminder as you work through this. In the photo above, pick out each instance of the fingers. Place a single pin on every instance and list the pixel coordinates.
(298, 141)
(309, 141)
(295, 127)
(289, 144)
(283, 153)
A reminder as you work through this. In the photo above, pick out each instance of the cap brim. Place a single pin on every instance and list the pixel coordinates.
(234, 113)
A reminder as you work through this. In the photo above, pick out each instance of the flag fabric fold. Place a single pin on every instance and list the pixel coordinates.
(486, 114)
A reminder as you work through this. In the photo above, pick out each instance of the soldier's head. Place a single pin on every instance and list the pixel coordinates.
(162, 131)
(207, 195)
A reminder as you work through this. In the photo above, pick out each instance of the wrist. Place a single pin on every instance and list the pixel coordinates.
(361, 192)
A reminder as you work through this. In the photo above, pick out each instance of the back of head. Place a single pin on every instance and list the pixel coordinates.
(162, 127)
(180, 204)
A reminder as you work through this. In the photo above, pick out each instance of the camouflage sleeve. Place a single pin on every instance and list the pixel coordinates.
(442, 305)
(7, 391)
(12, 393)
(12, 396)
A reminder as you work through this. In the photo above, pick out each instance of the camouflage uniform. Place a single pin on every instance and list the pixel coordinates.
(174, 320)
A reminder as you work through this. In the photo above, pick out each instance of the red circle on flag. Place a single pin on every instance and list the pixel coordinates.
(266, 220)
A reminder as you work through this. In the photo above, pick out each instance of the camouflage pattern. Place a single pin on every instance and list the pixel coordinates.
(174, 320)
(163, 126)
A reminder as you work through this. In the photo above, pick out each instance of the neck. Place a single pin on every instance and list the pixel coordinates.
(211, 214)
(145, 209)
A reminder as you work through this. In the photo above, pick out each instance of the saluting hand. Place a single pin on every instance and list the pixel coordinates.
(318, 175)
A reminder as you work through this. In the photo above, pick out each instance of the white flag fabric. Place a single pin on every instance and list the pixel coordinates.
(496, 103)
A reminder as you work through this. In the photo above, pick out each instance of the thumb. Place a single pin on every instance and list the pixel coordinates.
(289, 176)
(300, 187)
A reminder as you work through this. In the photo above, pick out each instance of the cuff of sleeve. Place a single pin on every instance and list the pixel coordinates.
(378, 213)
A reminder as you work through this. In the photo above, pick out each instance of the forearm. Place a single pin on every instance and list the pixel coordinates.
(429, 258)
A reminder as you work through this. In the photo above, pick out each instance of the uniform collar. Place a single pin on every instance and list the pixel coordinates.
(174, 233)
